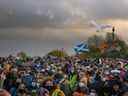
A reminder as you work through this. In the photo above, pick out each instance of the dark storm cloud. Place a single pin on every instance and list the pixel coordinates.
(43, 25)
(32, 13)
(42, 13)
(110, 9)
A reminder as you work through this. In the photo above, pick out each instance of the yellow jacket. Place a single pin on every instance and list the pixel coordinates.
(58, 92)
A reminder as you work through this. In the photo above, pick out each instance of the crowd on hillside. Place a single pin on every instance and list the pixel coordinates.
(67, 76)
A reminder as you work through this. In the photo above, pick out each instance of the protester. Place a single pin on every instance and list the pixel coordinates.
(65, 76)
(4, 93)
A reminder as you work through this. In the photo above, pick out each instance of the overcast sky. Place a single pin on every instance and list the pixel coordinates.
(38, 26)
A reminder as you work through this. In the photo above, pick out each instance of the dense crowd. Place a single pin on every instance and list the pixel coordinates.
(65, 76)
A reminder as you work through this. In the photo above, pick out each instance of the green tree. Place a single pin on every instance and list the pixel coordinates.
(94, 52)
(58, 53)
(23, 56)
(117, 48)
(95, 40)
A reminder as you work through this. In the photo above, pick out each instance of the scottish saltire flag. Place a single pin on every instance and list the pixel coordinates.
(82, 47)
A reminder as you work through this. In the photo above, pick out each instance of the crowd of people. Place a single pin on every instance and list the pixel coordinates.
(65, 76)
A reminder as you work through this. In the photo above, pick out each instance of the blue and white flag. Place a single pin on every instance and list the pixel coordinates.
(99, 27)
(82, 47)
